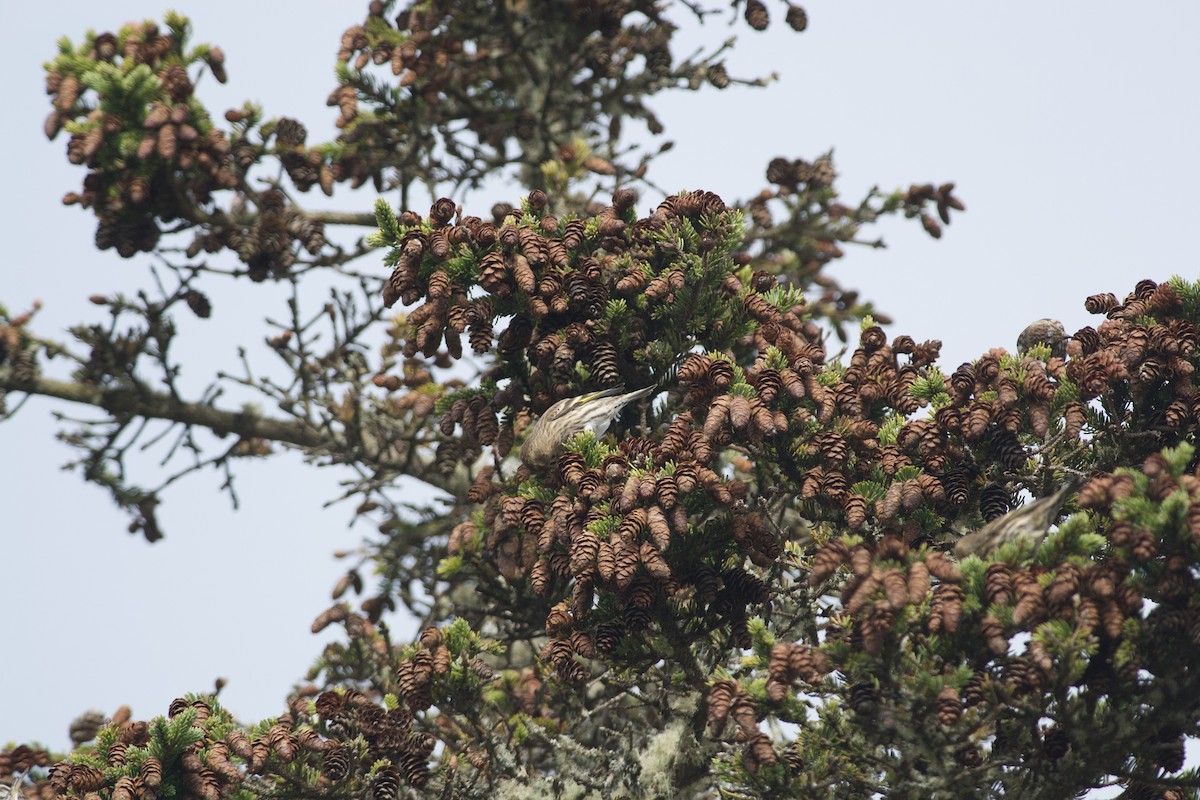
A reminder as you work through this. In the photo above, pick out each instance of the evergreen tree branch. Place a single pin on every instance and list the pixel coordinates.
(126, 402)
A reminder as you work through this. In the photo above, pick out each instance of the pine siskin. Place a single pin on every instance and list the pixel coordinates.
(1030, 520)
(593, 411)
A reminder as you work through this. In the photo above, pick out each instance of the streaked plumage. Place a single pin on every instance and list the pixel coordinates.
(593, 411)
(1032, 520)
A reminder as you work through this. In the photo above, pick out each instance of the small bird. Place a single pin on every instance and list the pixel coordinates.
(1049, 332)
(593, 412)
(1031, 520)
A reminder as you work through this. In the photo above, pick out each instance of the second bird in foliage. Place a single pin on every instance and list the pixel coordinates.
(1031, 520)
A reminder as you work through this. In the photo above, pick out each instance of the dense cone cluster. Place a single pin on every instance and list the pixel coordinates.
(22, 758)
(376, 741)
(608, 293)
(377, 745)
(843, 438)
(194, 752)
(159, 161)
(727, 700)
(197, 752)
(389, 735)
(997, 405)
(1148, 365)
(657, 534)
(569, 295)
(1085, 606)
(615, 528)
(1096, 598)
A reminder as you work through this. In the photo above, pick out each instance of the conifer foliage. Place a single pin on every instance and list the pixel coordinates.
(748, 588)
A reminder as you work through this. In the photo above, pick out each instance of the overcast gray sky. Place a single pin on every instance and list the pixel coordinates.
(1069, 127)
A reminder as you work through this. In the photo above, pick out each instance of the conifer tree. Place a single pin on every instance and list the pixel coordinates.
(748, 587)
